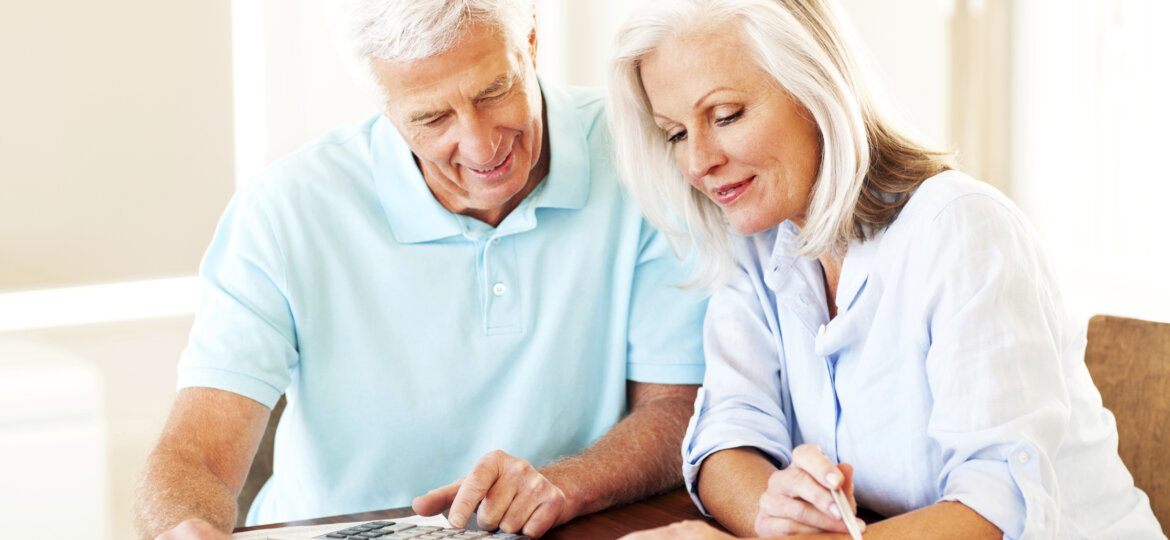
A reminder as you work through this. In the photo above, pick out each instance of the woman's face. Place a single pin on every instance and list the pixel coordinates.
(737, 136)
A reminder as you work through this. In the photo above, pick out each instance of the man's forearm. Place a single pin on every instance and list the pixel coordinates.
(640, 456)
(173, 490)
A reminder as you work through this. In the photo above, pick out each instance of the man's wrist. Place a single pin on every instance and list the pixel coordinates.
(575, 497)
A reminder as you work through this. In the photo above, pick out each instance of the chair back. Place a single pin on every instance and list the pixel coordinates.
(261, 465)
(1129, 360)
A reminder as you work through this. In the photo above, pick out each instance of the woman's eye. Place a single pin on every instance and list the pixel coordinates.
(729, 118)
(677, 137)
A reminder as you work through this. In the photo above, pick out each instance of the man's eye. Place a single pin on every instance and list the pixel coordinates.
(677, 137)
(729, 118)
(493, 97)
(435, 121)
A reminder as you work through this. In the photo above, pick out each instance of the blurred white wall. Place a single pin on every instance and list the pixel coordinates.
(116, 147)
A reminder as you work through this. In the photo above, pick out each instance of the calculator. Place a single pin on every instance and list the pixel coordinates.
(390, 530)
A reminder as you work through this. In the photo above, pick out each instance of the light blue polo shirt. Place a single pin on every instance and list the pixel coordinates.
(410, 340)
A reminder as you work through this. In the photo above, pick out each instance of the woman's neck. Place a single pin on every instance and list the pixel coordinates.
(831, 270)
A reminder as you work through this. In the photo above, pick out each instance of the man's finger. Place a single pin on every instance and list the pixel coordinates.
(541, 520)
(529, 496)
(475, 487)
(436, 500)
(498, 502)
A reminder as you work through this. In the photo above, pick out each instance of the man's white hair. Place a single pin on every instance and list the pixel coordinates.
(406, 30)
(805, 47)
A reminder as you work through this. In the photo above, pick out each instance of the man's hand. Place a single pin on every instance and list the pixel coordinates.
(798, 500)
(510, 494)
(685, 530)
(194, 529)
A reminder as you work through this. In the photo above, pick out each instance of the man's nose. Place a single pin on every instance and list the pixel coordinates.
(480, 142)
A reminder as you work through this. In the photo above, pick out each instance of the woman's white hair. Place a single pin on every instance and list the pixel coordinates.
(406, 30)
(806, 48)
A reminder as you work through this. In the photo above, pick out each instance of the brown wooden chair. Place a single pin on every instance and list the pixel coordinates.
(1129, 360)
(261, 465)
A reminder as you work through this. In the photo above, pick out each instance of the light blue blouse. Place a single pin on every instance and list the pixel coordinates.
(952, 372)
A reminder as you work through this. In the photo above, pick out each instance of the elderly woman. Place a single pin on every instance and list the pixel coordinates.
(880, 322)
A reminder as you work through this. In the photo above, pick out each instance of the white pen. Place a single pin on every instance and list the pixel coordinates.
(846, 513)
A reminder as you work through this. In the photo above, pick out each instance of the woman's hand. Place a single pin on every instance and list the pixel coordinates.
(685, 530)
(798, 499)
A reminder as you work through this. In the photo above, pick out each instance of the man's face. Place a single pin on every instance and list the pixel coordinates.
(472, 116)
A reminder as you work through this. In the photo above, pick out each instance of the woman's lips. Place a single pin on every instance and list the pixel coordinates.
(728, 194)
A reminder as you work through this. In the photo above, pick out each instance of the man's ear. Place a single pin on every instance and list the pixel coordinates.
(532, 41)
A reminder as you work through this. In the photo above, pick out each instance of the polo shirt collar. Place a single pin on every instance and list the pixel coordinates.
(568, 180)
(410, 207)
(415, 215)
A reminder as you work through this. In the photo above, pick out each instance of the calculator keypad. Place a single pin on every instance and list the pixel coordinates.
(389, 530)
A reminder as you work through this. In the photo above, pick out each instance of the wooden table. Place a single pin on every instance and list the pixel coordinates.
(612, 523)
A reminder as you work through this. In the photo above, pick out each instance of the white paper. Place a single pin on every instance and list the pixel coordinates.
(306, 532)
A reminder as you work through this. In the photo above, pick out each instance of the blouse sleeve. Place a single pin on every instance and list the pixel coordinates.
(741, 403)
(997, 332)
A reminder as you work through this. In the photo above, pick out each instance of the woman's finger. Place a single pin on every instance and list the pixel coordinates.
(809, 458)
(847, 488)
(776, 507)
(773, 526)
(797, 483)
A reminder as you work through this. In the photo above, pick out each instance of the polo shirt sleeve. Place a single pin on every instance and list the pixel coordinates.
(244, 339)
(666, 321)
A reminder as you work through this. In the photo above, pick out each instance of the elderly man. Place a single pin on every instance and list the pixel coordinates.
(455, 287)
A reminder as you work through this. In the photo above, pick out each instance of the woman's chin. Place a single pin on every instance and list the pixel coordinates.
(749, 227)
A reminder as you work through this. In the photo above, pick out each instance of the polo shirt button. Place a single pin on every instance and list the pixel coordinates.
(498, 289)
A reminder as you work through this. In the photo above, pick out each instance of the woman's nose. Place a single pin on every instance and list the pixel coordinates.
(705, 157)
